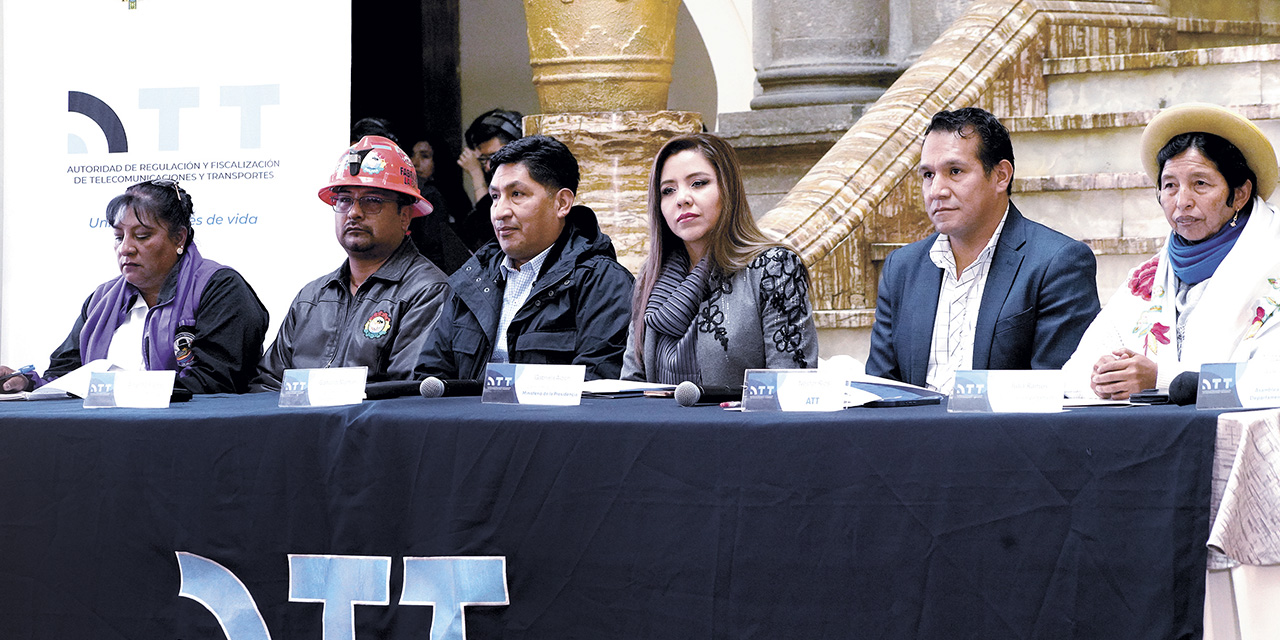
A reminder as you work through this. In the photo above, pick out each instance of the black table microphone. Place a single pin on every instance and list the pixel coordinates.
(689, 393)
(390, 389)
(434, 387)
(1184, 388)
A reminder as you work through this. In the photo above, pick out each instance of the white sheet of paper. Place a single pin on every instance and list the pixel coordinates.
(858, 397)
(1076, 403)
(622, 386)
(75, 383)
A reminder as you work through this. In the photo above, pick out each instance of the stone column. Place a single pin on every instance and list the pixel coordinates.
(597, 55)
(602, 69)
(929, 18)
(822, 52)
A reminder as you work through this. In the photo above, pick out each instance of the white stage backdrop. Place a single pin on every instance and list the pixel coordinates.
(245, 102)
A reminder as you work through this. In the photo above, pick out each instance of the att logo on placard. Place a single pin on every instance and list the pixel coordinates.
(170, 102)
(1217, 384)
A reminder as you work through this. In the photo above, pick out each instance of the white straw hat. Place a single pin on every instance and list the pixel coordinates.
(1220, 121)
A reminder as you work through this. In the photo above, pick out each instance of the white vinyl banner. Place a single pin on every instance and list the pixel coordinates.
(245, 103)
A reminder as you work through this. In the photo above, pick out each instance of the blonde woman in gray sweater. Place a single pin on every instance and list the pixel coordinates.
(715, 296)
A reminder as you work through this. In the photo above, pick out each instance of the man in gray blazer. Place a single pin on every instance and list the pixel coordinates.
(990, 289)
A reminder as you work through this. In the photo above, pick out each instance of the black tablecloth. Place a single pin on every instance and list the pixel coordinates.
(617, 519)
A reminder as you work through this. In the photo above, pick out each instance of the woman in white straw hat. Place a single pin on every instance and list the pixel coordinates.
(1211, 293)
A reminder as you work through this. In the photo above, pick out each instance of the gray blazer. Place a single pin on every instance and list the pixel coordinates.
(757, 318)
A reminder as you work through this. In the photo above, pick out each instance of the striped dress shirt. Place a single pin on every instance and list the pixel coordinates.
(959, 299)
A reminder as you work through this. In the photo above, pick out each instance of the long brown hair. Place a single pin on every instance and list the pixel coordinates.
(735, 240)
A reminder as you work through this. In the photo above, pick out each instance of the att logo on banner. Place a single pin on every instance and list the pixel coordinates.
(170, 102)
(447, 584)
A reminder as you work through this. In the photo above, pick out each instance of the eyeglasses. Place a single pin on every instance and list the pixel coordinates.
(167, 184)
(371, 205)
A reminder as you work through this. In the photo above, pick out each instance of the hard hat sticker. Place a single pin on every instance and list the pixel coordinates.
(373, 164)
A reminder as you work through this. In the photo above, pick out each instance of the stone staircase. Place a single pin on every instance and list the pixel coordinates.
(1075, 82)
(1078, 167)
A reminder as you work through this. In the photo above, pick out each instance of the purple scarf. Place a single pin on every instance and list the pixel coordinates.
(110, 303)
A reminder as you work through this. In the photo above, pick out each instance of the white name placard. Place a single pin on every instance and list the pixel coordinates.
(323, 387)
(1239, 385)
(792, 390)
(553, 384)
(131, 389)
(1007, 391)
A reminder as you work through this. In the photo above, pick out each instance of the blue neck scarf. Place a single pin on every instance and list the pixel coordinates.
(1195, 262)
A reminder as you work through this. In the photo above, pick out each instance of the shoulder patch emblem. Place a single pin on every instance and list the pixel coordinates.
(378, 325)
(182, 348)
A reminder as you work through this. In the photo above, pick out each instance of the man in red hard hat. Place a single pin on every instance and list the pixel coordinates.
(375, 309)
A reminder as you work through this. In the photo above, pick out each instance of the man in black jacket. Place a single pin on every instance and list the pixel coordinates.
(547, 290)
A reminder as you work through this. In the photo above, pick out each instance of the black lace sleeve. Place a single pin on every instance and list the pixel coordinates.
(784, 294)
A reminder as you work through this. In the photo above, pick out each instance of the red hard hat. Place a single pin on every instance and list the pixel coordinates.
(376, 162)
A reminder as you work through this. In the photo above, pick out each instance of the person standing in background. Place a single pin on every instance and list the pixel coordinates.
(487, 134)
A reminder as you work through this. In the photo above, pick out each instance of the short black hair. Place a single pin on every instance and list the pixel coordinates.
(1224, 155)
(497, 123)
(154, 202)
(372, 127)
(549, 162)
(993, 139)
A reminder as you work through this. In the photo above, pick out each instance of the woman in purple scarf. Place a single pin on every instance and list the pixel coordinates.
(169, 309)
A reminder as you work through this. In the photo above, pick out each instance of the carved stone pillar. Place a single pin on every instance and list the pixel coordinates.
(602, 69)
(601, 55)
(822, 52)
